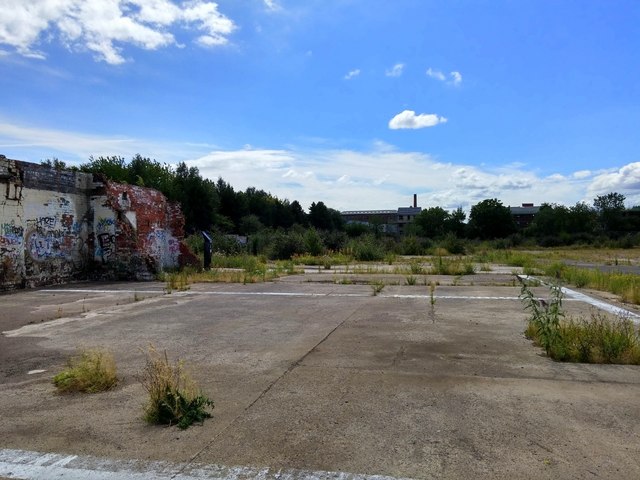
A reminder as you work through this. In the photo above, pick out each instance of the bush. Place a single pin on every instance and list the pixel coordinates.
(367, 249)
(453, 244)
(286, 245)
(174, 398)
(90, 371)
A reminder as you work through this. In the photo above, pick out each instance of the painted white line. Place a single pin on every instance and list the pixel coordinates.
(88, 290)
(581, 297)
(43, 466)
(33, 372)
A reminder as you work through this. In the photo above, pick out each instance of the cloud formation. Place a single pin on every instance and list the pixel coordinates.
(454, 78)
(352, 74)
(409, 120)
(375, 178)
(395, 71)
(105, 26)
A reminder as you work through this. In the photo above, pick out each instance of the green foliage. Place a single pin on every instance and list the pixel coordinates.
(377, 287)
(491, 219)
(411, 280)
(544, 316)
(285, 245)
(597, 339)
(366, 249)
(452, 266)
(90, 371)
(174, 399)
(313, 242)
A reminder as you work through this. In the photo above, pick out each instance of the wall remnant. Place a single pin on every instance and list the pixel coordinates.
(60, 225)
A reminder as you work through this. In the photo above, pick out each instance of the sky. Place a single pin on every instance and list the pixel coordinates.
(356, 103)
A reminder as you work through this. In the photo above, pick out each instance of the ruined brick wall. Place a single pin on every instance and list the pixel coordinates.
(59, 225)
(137, 226)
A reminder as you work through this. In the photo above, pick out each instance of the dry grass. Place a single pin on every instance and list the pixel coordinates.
(91, 371)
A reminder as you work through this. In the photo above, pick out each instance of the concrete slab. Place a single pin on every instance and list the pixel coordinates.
(329, 378)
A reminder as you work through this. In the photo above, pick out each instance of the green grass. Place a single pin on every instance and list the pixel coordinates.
(90, 371)
(452, 266)
(595, 339)
(174, 398)
(624, 284)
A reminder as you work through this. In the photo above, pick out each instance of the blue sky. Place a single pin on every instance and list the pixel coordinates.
(358, 103)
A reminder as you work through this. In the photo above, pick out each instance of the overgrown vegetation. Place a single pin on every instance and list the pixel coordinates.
(596, 339)
(90, 371)
(174, 398)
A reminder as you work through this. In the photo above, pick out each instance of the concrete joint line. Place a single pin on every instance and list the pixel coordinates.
(267, 389)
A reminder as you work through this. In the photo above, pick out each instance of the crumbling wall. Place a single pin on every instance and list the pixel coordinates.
(43, 224)
(137, 230)
(59, 225)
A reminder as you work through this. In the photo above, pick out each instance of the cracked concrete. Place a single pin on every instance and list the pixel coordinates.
(327, 377)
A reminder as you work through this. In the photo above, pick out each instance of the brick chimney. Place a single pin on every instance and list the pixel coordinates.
(415, 200)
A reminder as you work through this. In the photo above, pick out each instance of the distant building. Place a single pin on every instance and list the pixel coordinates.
(389, 221)
(524, 215)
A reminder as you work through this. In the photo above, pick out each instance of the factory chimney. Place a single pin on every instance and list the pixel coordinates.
(415, 200)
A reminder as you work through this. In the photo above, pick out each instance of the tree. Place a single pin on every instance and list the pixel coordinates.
(455, 223)
(610, 208)
(319, 216)
(432, 221)
(491, 219)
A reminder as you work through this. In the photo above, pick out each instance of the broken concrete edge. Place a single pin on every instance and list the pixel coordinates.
(57, 226)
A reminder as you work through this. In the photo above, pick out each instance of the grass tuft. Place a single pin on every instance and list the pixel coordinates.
(91, 371)
(174, 398)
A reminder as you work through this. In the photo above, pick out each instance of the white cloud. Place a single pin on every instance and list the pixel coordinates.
(272, 5)
(438, 75)
(409, 119)
(376, 178)
(352, 74)
(34, 144)
(106, 26)
(625, 180)
(454, 78)
(395, 71)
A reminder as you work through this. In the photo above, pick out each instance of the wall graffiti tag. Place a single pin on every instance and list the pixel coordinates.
(107, 246)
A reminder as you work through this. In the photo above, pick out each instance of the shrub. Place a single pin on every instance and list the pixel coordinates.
(174, 398)
(90, 371)
(367, 249)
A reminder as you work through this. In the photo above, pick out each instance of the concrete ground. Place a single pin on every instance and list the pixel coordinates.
(322, 376)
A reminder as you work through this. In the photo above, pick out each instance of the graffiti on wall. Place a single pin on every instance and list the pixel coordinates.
(51, 237)
(105, 248)
(163, 247)
(11, 242)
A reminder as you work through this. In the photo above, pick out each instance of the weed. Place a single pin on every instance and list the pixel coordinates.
(416, 267)
(597, 339)
(411, 280)
(377, 287)
(91, 371)
(432, 291)
(545, 316)
(174, 398)
(136, 297)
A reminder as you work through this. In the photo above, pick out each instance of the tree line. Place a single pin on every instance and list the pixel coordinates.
(281, 228)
